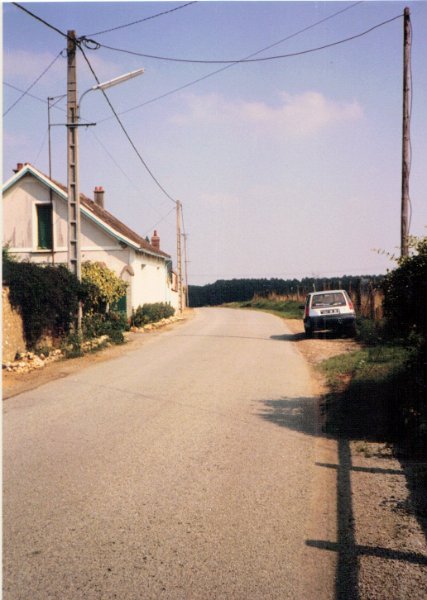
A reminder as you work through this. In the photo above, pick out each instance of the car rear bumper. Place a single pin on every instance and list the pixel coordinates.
(329, 322)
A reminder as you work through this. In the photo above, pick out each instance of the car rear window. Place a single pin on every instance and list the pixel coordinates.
(328, 299)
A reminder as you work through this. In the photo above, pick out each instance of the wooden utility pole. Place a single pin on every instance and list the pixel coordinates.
(179, 254)
(50, 177)
(74, 256)
(187, 300)
(404, 222)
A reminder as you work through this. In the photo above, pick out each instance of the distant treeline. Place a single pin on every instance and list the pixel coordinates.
(238, 290)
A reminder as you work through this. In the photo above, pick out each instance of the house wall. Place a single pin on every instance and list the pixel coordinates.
(150, 282)
(20, 223)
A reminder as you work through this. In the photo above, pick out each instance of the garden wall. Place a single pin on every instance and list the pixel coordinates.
(13, 333)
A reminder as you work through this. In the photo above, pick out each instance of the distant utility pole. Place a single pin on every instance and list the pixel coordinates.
(404, 222)
(187, 300)
(74, 255)
(179, 254)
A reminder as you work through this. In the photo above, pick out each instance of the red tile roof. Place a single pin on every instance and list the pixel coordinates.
(109, 219)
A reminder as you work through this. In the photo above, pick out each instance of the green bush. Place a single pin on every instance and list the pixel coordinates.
(72, 346)
(112, 324)
(405, 290)
(151, 313)
(102, 286)
(370, 332)
(46, 297)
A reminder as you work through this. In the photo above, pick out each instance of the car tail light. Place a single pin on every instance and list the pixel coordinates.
(306, 311)
(350, 304)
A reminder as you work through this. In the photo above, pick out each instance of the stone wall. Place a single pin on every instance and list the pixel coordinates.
(13, 333)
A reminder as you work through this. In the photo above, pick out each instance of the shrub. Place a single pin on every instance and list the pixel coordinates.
(72, 346)
(102, 285)
(405, 291)
(370, 332)
(112, 324)
(46, 297)
(151, 313)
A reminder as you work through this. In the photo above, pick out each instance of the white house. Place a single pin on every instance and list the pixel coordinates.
(35, 216)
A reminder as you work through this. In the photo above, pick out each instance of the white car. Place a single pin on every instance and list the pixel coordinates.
(330, 309)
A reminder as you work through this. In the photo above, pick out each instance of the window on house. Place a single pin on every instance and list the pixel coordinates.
(44, 226)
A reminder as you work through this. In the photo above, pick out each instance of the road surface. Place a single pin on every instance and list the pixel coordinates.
(185, 469)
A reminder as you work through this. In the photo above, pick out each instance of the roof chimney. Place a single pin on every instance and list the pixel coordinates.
(19, 166)
(98, 196)
(155, 241)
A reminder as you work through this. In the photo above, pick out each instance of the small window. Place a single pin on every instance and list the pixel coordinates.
(44, 226)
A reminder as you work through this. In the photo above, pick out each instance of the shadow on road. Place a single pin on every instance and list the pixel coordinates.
(316, 418)
(320, 335)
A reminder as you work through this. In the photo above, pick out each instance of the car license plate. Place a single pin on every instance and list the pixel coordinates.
(330, 311)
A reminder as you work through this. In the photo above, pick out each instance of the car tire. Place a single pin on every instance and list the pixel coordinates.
(308, 332)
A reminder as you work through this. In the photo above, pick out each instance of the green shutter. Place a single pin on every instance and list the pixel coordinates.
(120, 305)
(44, 226)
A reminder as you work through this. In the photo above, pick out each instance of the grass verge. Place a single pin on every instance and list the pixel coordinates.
(377, 394)
(288, 309)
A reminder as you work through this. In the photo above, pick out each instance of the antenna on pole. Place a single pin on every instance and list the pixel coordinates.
(406, 143)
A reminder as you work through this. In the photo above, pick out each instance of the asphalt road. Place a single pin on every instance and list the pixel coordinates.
(185, 469)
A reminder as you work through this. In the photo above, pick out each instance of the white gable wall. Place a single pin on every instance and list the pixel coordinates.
(19, 220)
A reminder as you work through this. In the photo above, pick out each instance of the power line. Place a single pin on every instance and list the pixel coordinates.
(41, 146)
(13, 87)
(166, 12)
(212, 73)
(24, 93)
(124, 129)
(40, 19)
(122, 170)
(252, 60)
(160, 221)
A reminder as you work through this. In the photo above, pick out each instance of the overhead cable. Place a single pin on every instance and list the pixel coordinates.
(24, 93)
(13, 87)
(125, 131)
(251, 60)
(112, 158)
(212, 73)
(40, 19)
(160, 221)
(165, 12)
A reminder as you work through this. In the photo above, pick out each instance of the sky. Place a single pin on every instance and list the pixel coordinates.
(286, 168)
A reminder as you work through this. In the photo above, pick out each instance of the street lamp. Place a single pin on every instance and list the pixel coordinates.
(112, 82)
(74, 237)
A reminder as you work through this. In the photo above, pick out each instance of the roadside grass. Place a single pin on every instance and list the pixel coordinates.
(377, 394)
(288, 309)
(374, 364)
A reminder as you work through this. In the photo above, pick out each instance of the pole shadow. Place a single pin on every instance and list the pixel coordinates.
(329, 417)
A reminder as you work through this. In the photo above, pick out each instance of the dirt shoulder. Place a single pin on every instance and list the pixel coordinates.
(317, 349)
(381, 533)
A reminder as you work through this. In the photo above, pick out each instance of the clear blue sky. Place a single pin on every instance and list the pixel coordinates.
(285, 168)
